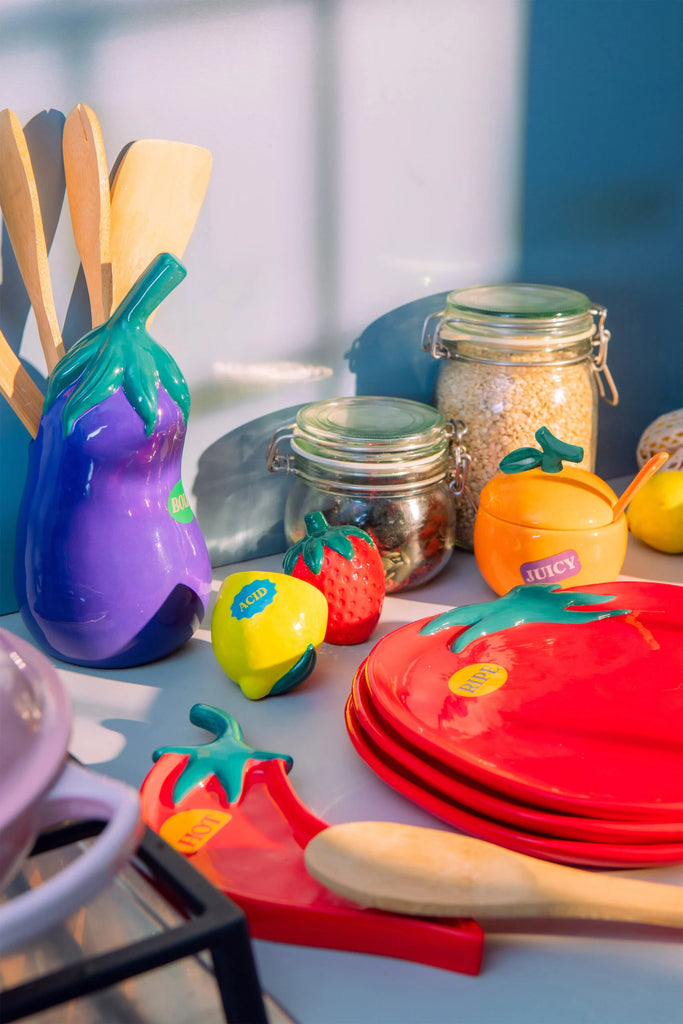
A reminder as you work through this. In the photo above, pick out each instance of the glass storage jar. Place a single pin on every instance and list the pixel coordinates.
(516, 357)
(387, 465)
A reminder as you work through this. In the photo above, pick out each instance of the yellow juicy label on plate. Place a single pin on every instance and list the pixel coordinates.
(477, 679)
(188, 831)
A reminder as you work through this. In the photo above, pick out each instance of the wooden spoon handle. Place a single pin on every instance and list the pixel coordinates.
(20, 390)
(433, 873)
(87, 188)
(21, 211)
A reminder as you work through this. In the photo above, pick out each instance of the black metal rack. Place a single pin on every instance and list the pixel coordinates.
(210, 922)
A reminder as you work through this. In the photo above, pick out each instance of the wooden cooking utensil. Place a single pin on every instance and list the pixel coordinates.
(156, 196)
(432, 873)
(21, 212)
(87, 188)
(20, 390)
(648, 470)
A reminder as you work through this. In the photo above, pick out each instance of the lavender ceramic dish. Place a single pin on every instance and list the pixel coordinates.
(38, 788)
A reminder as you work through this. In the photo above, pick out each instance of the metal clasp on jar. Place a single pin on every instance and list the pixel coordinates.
(430, 342)
(460, 458)
(600, 367)
(275, 461)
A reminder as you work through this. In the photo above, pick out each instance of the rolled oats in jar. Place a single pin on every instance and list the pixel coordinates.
(516, 357)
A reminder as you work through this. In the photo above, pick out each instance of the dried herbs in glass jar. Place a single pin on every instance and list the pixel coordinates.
(387, 465)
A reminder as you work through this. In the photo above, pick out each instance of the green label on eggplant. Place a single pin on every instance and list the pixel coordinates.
(178, 505)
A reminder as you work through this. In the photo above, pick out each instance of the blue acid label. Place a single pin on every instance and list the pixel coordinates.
(253, 599)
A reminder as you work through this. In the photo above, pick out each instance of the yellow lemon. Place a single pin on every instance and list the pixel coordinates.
(265, 630)
(655, 514)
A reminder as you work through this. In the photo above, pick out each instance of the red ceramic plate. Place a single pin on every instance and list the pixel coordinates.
(482, 801)
(559, 707)
(605, 855)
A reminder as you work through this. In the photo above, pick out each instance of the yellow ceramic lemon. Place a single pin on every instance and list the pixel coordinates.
(655, 514)
(265, 630)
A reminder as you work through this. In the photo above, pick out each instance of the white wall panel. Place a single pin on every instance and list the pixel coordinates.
(366, 153)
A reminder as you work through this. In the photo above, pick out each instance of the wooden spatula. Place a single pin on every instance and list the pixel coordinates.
(21, 212)
(87, 188)
(19, 388)
(432, 873)
(156, 196)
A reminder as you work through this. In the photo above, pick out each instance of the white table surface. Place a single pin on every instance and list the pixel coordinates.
(532, 974)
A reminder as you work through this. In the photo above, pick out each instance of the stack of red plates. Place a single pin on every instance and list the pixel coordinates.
(551, 724)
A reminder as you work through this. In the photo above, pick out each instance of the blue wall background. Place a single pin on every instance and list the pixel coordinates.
(601, 208)
(603, 189)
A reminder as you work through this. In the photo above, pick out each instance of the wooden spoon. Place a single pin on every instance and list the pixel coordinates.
(19, 388)
(156, 196)
(21, 212)
(432, 873)
(648, 470)
(87, 188)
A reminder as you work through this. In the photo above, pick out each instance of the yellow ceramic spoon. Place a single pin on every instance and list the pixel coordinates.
(648, 470)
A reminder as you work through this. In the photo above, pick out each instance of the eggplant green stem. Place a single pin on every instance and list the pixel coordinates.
(120, 353)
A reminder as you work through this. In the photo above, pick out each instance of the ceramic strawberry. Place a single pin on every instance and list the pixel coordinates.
(344, 564)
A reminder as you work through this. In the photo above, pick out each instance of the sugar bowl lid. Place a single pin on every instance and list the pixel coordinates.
(535, 489)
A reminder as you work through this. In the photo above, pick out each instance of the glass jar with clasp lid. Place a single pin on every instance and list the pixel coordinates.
(390, 466)
(515, 357)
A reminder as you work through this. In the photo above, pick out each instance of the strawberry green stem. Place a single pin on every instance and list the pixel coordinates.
(319, 536)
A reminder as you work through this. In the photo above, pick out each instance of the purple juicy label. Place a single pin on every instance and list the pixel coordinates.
(552, 569)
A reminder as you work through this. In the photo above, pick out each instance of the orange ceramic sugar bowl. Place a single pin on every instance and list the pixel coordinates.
(539, 521)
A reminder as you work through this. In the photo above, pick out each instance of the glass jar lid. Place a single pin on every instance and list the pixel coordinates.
(522, 313)
(370, 428)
